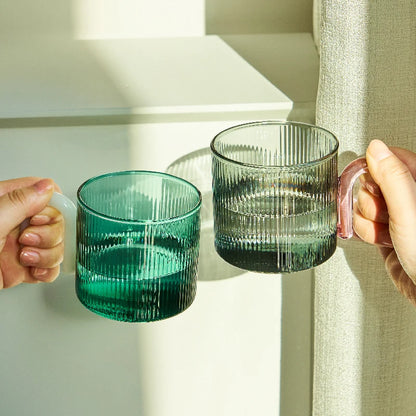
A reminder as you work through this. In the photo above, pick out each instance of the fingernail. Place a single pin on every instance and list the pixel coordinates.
(43, 186)
(378, 150)
(29, 257)
(30, 239)
(373, 188)
(388, 244)
(38, 272)
(40, 220)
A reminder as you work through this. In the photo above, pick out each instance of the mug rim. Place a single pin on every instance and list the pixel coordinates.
(277, 123)
(93, 211)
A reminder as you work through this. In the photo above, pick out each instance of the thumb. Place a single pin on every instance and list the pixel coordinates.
(395, 181)
(399, 191)
(21, 203)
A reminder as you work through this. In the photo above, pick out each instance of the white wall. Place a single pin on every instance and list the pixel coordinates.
(221, 357)
(100, 19)
(57, 358)
(136, 18)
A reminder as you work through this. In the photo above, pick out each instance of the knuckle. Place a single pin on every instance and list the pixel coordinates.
(363, 203)
(55, 256)
(50, 237)
(16, 197)
(58, 235)
(363, 228)
(365, 234)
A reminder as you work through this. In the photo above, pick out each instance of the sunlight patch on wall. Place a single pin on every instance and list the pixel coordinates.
(106, 19)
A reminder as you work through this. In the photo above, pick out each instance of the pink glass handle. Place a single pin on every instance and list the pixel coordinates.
(345, 196)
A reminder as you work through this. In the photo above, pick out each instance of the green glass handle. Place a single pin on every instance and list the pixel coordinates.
(68, 210)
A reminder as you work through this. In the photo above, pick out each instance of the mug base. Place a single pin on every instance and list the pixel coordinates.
(275, 261)
(137, 304)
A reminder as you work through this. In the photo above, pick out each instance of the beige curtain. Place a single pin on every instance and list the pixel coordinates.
(365, 332)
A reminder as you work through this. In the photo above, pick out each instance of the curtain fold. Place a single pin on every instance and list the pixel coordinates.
(365, 331)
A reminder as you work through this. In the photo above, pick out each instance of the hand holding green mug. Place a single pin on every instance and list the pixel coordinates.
(137, 244)
(30, 254)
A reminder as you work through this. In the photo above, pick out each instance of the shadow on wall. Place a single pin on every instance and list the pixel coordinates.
(24, 18)
(289, 61)
(195, 167)
(48, 336)
(258, 16)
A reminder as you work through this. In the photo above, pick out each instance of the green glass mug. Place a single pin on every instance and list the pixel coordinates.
(278, 202)
(137, 244)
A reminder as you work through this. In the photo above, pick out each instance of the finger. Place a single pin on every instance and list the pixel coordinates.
(368, 183)
(44, 236)
(371, 207)
(370, 231)
(403, 282)
(21, 203)
(407, 157)
(10, 185)
(30, 279)
(44, 275)
(395, 181)
(42, 258)
(49, 215)
(399, 190)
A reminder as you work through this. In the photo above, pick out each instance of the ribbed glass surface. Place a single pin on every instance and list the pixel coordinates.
(274, 196)
(138, 243)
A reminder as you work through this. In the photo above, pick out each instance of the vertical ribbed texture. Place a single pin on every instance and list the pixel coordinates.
(365, 331)
(132, 270)
(279, 216)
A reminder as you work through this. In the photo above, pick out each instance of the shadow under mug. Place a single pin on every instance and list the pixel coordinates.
(278, 202)
(137, 244)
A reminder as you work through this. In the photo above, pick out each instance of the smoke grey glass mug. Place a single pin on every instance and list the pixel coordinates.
(137, 244)
(277, 200)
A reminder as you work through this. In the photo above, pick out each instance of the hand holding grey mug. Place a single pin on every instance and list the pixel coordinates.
(278, 202)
